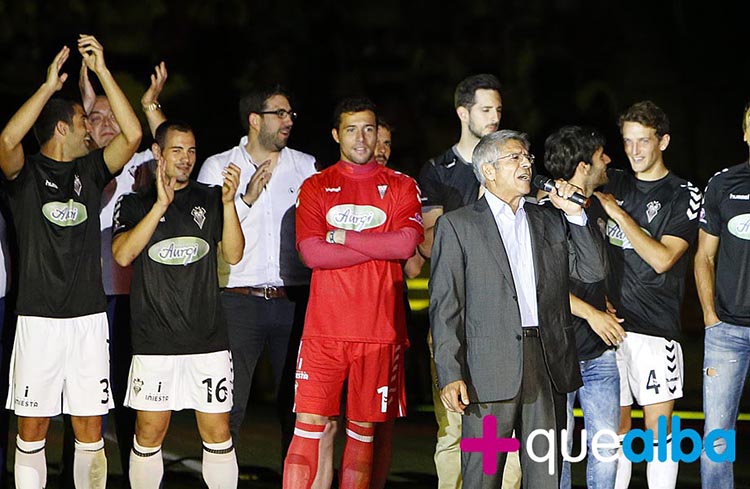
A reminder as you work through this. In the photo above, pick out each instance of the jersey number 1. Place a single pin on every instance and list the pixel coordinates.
(383, 391)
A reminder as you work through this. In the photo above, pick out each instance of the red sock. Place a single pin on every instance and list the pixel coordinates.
(356, 465)
(382, 452)
(301, 462)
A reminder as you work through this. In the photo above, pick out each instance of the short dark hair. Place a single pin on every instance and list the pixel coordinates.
(255, 102)
(647, 114)
(160, 135)
(466, 89)
(352, 104)
(385, 125)
(567, 147)
(54, 111)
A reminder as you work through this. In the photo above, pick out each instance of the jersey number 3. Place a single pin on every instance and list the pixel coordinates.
(105, 390)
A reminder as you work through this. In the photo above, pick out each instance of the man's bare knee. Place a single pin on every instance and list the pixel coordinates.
(653, 412)
(626, 421)
(314, 418)
(363, 424)
(151, 427)
(87, 429)
(213, 427)
(32, 429)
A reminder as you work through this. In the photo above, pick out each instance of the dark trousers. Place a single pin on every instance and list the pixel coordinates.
(537, 406)
(255, 323)
(6, 346)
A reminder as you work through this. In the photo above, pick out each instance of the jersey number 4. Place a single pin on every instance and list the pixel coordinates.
(651, 383)
(221, 390)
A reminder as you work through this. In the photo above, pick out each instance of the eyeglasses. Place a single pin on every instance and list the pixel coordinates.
(98, 118)
(518, 157)
(280, 113)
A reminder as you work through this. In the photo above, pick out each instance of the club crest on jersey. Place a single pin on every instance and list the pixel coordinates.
(77, 186)
(652, 208)
(182, 250)
(199, 215)
(65, 214)
(137, 386)
(354, 217)
(740, 226)
(381, 190)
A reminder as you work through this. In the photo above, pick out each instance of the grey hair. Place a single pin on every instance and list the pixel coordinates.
(488, 150)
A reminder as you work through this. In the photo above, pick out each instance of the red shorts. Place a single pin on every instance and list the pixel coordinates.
(375, 374)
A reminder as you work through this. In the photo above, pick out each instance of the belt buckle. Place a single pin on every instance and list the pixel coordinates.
(269, 292)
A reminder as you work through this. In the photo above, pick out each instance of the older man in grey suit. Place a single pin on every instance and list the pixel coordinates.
(500, 311)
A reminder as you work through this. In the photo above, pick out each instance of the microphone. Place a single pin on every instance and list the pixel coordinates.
(548, 185)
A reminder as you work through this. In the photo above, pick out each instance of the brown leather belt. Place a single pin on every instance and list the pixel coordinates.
(268, 292)
(531, 331)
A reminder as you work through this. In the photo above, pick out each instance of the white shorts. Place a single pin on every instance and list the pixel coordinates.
(203, 382)
(60, 366)
(651, 369)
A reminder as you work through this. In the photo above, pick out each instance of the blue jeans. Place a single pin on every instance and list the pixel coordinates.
(600, 400)
(726, 357)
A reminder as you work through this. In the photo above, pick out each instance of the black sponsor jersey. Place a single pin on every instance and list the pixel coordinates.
(726, 214)
(174, 294)
(448, 181)
(588, 344)
(55, 207)
(649, 301)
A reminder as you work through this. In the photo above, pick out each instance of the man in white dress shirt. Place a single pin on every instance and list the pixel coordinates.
(265, 294)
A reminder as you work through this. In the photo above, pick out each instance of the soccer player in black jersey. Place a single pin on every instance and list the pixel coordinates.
(721, 276)
(116, 280)
(652, 219)
(61, 361)
(173, 233)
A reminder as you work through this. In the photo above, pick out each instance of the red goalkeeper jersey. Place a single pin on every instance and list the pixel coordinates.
(356, 293)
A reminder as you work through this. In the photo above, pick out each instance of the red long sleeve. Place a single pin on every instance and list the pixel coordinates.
(392, 245)
(316, 253)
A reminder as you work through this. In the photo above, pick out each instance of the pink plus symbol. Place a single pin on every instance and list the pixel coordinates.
(490, 445)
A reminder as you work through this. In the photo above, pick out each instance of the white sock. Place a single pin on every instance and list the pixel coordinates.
(30, 469)
(624, 468)
(146, 466)
(220, 469)
(90, 465)
(662, 475)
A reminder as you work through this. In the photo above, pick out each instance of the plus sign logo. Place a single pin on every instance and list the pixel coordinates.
(490, 445)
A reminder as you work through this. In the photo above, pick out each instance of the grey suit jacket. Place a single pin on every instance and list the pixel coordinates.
(474, 314)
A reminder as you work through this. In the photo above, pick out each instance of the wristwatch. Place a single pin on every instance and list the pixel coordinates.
(329, 237)
(151, 107)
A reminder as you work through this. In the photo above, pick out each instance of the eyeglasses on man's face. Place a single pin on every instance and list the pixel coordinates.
(280, 113)
(518, 157)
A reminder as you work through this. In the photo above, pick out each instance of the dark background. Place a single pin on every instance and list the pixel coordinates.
(560, 62)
